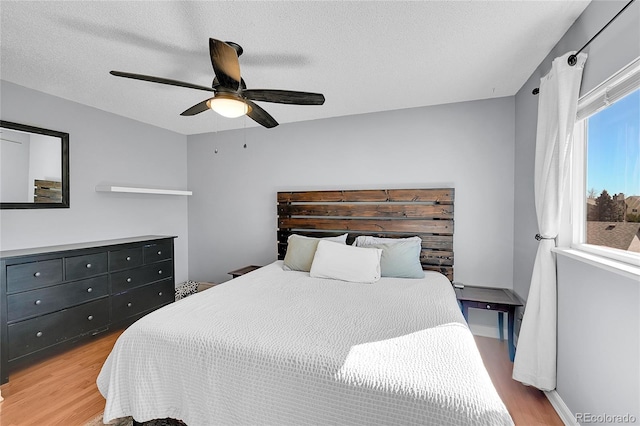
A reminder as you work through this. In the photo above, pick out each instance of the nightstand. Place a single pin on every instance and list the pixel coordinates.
(238, 272)
(493, 299)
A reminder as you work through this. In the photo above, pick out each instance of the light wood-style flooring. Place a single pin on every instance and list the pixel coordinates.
(527, 405)
(62, 390)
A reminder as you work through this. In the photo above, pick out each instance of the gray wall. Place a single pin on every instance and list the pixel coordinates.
(468, 146)
(104, 148)
(598, 349)
(617, 46)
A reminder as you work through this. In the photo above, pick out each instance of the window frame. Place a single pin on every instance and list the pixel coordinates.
(621, 84)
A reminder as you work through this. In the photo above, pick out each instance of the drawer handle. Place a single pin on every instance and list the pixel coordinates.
(37, 274)
(129, 279)
(128, 258)
(160, 294)
(129, 305)
(90, 317)
(39, 334)
(88, 265)
(89, 290)
(488, 306)
(159, 252)
(160, 272)
(38, 302)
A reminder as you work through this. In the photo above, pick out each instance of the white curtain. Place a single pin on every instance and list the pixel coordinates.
(535, 361)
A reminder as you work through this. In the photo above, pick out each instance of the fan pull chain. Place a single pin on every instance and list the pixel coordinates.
(215, 133)
(244, 123)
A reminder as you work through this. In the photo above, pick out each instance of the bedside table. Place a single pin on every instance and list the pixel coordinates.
(238, 272)
(493, 299)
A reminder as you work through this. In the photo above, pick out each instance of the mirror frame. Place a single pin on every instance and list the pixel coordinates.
(64, 145)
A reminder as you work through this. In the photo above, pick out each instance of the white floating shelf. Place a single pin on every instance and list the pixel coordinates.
(136, 190)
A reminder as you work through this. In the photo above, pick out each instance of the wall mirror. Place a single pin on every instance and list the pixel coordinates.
(34, 167)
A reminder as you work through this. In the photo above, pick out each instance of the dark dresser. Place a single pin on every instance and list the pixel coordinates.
(55, 297)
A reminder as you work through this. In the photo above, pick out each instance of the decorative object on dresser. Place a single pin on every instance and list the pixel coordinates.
(53, 297)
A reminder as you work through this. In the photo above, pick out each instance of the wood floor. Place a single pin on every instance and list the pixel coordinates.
(62, 389)
(527, 405)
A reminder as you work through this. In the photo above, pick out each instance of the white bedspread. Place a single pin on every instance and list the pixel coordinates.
(277, 347)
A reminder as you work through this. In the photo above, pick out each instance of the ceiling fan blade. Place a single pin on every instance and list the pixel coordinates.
(197, 108)
(224, 59)
(284, 96)
(261, 116)
(160, 80)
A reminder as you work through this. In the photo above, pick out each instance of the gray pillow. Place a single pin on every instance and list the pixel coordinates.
(301, 249)
(400, 260)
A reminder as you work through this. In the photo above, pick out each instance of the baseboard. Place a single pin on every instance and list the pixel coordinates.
(561, 408)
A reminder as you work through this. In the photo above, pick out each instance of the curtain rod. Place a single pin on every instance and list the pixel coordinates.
(573, 59)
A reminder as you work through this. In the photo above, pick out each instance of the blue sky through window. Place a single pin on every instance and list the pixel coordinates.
(613, 150)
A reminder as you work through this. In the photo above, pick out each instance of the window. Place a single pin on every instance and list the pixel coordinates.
(606, 173)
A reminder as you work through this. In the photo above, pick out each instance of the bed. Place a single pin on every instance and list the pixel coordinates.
(281, 347)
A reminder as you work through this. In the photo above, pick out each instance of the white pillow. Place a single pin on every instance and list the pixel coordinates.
(301, 249)
(367, 240)
(346, 263)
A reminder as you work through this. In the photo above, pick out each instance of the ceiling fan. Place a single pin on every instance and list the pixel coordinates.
(231, 97)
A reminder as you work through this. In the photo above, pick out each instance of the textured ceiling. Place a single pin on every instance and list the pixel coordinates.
(363, 56)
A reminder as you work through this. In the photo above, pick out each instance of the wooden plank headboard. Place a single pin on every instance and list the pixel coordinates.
(397, 213)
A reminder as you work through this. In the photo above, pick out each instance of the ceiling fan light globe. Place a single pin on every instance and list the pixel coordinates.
(228, 106)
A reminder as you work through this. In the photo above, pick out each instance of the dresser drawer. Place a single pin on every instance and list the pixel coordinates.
(86, 318)
(85, 266)
(125, 259)
(27, 276)
(50, 299)
(142, 299)
(125, 280)
(38, 333)
(157, 252)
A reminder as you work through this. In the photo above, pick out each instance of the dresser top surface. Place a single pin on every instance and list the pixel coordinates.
(79, 246)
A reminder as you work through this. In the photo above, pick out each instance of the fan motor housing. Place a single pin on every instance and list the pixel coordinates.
(236, 46)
